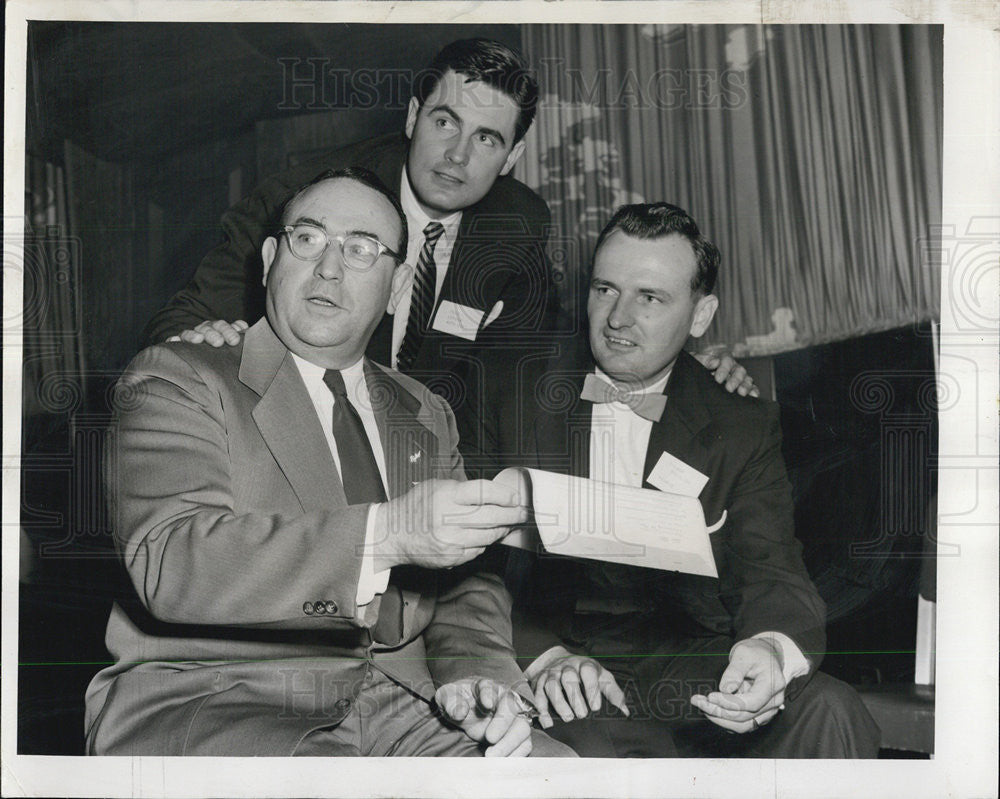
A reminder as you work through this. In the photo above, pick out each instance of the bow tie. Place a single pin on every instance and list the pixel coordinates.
(648, 406)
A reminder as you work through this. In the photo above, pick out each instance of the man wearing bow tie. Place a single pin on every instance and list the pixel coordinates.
(673, 656)
(285, 509)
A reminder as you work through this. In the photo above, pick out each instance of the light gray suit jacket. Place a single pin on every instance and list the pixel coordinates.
(232, 522)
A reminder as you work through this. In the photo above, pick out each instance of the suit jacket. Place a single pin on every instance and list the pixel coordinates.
(243, 632)
(735, 441)
(499, 255)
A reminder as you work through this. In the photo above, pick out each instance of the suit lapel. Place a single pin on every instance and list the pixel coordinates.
(388, 164)
(683, 418)
(409, 444)
(564, 434)
(299, 449)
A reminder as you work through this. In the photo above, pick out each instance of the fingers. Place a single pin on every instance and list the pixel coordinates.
(514, 741)
(707, 359)
(542, 703)
(736, 672)
(484, 492)
(590, 677)
(452, 702)
(724, 368)
(552, 683)
(214, 333)
(484, 516)
(507, 729)
(523, 750)
(741, 706)
(217, 333)
(611, 691)
(736, 378)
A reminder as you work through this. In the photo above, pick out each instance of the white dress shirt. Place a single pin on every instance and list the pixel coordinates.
(619, 439)
(370, 583)
(416, 220)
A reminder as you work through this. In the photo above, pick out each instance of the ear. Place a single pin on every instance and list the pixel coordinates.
(515, 152)
(267, 252)
(411, 116)
(704, 312)
(401, 280)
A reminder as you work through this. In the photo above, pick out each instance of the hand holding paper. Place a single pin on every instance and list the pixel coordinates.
(585, 518)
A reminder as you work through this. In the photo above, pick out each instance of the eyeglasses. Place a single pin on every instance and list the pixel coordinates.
(359, 251)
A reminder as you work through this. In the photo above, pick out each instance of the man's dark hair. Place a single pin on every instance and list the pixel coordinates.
(489, 62)
(366, 178)
(658, 220)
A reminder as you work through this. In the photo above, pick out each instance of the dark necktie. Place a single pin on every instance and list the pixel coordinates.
(362, 483)
(648, 406)
(421, 298)
(358, 469)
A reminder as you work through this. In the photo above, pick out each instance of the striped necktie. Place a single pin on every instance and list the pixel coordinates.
(421, 299)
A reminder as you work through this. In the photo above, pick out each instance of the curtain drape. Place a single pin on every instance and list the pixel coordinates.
(810, 154)
(53, 362)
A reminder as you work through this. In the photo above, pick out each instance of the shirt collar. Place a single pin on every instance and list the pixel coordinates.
(417, 218)
(312, 374)
(654, 388)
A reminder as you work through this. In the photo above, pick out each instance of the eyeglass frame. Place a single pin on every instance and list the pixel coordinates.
(340, 238)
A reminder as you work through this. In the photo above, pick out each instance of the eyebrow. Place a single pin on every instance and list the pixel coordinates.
(601, 283)
(447, 109)
(308, 220)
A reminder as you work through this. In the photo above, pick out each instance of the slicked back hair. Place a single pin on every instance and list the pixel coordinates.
(659, 220)
(490, 62)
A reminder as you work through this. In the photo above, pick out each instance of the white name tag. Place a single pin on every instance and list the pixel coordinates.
(457, 320)
(675, 477)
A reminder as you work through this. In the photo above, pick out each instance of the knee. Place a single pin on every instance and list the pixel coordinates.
(840, 716)
(544, 746)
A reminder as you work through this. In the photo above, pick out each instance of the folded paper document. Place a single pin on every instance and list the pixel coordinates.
(585, 518)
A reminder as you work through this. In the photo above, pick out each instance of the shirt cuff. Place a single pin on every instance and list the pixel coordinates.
(795, 663)
(370, 582)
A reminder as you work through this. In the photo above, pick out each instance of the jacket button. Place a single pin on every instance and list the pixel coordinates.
(307, 608)
(331, 607)
(342, 706)
(320, 607)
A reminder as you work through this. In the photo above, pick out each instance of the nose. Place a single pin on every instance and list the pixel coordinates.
(621, 314)
(330, 265)
(458, 150)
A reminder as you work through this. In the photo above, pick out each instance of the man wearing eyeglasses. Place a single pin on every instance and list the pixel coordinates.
(286, 510)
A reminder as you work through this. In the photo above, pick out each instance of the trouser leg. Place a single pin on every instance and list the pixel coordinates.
(387, 720)
(825, 719)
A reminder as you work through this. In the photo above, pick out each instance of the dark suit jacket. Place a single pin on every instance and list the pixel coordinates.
(735, 441)
(231, 518)
(499, 255)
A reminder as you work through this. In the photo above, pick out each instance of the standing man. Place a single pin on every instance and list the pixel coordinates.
(701, 657)
(482, 287)
(476, 235)
(282, 508)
